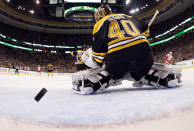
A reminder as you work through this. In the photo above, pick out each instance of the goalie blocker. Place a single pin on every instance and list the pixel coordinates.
(97, 80)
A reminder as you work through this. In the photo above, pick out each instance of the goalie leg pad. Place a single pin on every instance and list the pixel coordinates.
(170, 69)
(87, 74)
(90, 81)
(160, 82)
(161, 76)
(82, 91)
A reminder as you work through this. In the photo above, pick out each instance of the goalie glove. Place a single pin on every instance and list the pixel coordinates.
(87, 59)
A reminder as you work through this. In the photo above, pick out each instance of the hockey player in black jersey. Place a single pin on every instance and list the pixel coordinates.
(121, 45)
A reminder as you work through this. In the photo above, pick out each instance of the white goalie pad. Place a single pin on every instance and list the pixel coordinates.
(164, 70)
(88, 75)
(161, 76)
(83, 91)
(93, 76)
(87, 59)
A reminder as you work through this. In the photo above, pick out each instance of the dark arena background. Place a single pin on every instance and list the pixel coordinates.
(36, 33)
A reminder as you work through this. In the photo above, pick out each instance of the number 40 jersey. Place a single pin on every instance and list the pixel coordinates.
(117, 32)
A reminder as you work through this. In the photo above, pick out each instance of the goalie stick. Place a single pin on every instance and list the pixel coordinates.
(82, 81)
(153, 18)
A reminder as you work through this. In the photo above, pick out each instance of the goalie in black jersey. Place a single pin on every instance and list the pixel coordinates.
(121, 45)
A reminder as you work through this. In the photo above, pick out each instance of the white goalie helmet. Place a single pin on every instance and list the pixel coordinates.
(102, 11)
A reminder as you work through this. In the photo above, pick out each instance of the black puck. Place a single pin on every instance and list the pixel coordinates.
(40, 94)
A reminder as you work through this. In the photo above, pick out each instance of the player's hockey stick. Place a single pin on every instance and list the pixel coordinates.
(153, 18)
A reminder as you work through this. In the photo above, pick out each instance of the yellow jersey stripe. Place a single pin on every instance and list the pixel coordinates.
(145, 32)
(127, 45)
(98, 60)
(147, 35)
(126, 41)
(117, 40)
(78, 63)
(100, 54)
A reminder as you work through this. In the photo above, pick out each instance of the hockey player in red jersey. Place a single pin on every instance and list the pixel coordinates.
(120, 50)
(39, 69)
(168, 59)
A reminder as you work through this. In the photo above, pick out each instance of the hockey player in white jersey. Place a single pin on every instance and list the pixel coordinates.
(121, 51)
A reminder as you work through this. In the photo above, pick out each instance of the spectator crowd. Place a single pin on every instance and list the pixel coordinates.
(28, 60)
(182, 48)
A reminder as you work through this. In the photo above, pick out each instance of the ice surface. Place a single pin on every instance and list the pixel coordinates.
(60, 106)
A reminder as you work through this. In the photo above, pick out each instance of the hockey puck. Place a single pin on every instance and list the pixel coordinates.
(40, 94)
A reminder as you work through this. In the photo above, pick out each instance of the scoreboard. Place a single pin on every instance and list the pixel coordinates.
(81, 17)
(82, 1)
(80, 14)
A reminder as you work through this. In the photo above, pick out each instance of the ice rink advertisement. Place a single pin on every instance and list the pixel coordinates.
(187, 63)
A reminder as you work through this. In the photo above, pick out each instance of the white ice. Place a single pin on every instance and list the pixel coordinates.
(60, 107)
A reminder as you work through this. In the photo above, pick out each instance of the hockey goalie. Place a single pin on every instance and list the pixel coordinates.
(121, 51)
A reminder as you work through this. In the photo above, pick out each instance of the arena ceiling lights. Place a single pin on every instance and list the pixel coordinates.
(174, 36)
(127, 2)
(182, 23)
(15, 46)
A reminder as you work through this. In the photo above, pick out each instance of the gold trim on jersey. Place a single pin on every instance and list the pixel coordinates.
(118, 40)
(146, 33)
(123, 41)
(78, 63)
(98, 60)
(127, 45)
(99, 57)
(100, 54)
